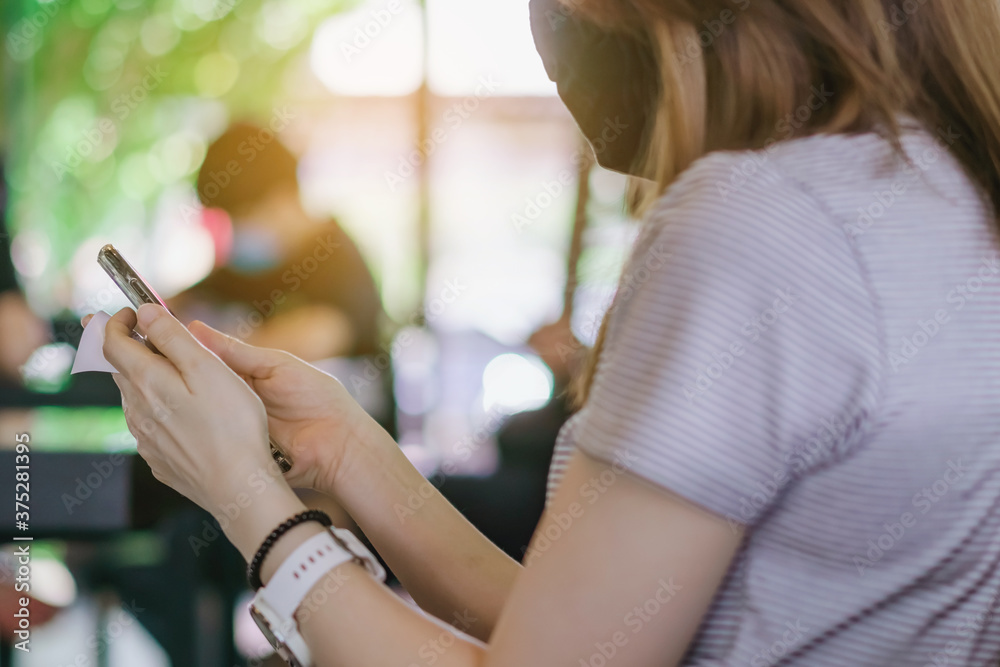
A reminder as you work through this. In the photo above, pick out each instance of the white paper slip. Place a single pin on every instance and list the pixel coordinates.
(90, 354)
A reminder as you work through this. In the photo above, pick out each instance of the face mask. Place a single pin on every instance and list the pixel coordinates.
(254, 249)
(608, 80)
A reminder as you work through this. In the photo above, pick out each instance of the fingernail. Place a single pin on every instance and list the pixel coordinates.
(148, 313)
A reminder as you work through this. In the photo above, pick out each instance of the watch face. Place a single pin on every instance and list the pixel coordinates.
(273, 638)
(265, 628)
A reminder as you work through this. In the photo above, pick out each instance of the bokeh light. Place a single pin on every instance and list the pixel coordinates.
(514, 383)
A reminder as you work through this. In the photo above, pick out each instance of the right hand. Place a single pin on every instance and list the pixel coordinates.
(310, 413)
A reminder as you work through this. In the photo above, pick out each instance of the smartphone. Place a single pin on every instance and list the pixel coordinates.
(138, 291)
(127, 278)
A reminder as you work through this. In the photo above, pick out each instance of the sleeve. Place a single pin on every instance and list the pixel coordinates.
(742, 349)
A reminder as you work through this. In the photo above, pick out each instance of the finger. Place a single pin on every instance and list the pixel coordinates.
(119, 378)
(245, 359)
(125, 353)
(173, 340)
(124, 386)
(86, 320)
(142, 415)
(127, 391)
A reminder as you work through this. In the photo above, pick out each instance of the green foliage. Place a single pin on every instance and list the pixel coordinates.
(110, 103)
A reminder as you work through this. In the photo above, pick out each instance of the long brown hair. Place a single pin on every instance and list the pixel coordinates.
(732, 72)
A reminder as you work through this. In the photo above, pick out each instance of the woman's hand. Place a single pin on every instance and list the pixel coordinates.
(199, 426)
(310, 413)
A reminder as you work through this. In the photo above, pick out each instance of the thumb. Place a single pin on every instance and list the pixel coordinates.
(169, 336)
(244, 359)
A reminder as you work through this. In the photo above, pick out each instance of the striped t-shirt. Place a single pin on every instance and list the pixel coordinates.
(806, 341)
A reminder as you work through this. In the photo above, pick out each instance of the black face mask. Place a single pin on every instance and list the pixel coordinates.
(608, 80)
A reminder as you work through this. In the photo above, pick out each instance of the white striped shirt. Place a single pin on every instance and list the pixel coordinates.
(807, 342)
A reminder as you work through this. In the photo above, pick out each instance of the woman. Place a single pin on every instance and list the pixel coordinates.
(789, 450)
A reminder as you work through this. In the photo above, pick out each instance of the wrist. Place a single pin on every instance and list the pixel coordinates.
(370, 457)
(364, 451)
(234, 487)
(286, 545)
(377, 487)
(248, 527)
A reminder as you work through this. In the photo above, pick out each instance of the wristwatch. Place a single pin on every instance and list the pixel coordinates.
(273, 607)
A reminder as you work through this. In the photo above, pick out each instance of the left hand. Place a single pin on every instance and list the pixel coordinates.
(200, 427)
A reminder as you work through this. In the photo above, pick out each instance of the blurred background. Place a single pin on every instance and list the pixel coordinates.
(390, 189)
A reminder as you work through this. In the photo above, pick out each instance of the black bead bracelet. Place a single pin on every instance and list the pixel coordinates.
(253, 570)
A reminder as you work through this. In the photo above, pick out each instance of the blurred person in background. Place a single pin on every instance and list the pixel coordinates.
(21, 331)
(285, 279)
(788, 451)
(528, 438)
(506, 505)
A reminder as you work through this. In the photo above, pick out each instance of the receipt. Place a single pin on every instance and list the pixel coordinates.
(90, 354)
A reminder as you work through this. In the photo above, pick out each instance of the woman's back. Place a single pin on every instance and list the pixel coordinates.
(806, 343)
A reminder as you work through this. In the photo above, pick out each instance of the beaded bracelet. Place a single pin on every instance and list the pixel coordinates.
(253, 570)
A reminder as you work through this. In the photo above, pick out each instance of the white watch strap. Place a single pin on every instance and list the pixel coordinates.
(309, 563)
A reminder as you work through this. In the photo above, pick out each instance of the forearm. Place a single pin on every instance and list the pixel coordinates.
(346, 616)
(351, 619)
(443, 561)
(449, 567)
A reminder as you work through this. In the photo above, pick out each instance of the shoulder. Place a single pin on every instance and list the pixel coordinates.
(744, 319)
(846, 158)
(758, 260)
(782, 177)
(741, 212)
